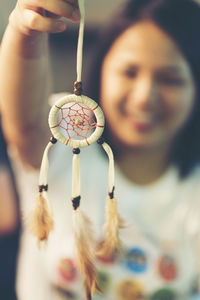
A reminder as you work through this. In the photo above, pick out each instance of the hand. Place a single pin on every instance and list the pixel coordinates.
(35, 16)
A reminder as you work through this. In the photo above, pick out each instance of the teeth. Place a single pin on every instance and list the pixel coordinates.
(142, 118)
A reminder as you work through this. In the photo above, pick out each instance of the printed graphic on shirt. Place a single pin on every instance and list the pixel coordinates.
(64, 294)
(164, 294)
(130, 289)
(67, 269)
(114, 276)
(136, 260)
(167, 268)
(103, 281)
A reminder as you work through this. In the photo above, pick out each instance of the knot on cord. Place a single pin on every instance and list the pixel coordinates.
(111, 194)
(76, 202)
(43, 187)
(78, 88)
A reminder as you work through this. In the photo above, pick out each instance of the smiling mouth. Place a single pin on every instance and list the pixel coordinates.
(142, 123)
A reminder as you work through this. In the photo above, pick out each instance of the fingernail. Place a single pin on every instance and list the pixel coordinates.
(76, 15)
(61, 26)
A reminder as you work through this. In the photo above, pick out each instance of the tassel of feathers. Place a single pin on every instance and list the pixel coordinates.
(113, 222)
(83, 234)
(40, 221)
(84, 243)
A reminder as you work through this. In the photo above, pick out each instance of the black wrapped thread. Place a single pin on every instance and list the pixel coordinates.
(111, 194)
(76, 150)
(43, 187)
(53, 140)
(76, 202)
(78, 88)
(100, 141)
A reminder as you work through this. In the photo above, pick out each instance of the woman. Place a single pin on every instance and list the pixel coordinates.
(172, 21)
(146, 78)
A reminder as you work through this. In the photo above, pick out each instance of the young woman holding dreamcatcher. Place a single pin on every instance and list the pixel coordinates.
(146, 79)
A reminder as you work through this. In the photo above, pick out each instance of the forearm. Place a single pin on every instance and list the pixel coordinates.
(24, 71)
(24, 88)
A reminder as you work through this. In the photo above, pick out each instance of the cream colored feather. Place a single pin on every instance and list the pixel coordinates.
(84, 243)
(40, 221)
(113, 222)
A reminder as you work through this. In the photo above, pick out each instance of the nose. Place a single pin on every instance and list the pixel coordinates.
(143, 93)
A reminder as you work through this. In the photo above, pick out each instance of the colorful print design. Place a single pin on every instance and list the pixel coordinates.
(67, 269)
(167, 268)
(103, 281)
(130, 289)
(136, 260)
(164, 294)
(126, 286)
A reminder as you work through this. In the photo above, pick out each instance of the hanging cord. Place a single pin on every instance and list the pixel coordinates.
(113, 222)
(111, 170)
(79, 62)
(40, 220)
(82, 227)
(83, 233)
(76, 179)
(45, 163)
(80, 40)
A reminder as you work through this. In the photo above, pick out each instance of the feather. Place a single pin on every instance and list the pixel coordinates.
(40, 221)
(111, 241)
(84, 242)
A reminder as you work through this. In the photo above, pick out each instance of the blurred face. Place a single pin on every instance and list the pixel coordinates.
(147, 89)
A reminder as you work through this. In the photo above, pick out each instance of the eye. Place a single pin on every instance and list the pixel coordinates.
(130, 72)
(171, 80)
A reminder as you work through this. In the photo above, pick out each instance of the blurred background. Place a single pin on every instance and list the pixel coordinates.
(63, 45)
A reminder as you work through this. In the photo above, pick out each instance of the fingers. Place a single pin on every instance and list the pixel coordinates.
(36, 22)
(63, 8)
(31, 16)
(72, 2)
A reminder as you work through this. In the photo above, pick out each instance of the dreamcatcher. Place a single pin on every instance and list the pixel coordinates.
(78, 121)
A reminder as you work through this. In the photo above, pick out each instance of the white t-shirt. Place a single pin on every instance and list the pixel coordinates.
(161, 250)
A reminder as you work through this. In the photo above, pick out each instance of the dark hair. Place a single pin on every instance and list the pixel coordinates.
(181, 20)
(9, 243)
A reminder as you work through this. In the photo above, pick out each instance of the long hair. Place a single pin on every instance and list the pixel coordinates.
(181, 20)
(9, 242)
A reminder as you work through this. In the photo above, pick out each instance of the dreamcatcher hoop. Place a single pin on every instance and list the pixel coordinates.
(93, 106)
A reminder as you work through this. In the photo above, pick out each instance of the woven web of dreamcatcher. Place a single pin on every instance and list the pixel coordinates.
(76, 121)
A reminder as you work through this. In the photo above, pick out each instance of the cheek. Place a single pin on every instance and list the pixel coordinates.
(113, 87)
(178, 106)
(111, 94)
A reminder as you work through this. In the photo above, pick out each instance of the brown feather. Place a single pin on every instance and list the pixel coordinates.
(84, 242)
(113, 222)
(40, 220)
